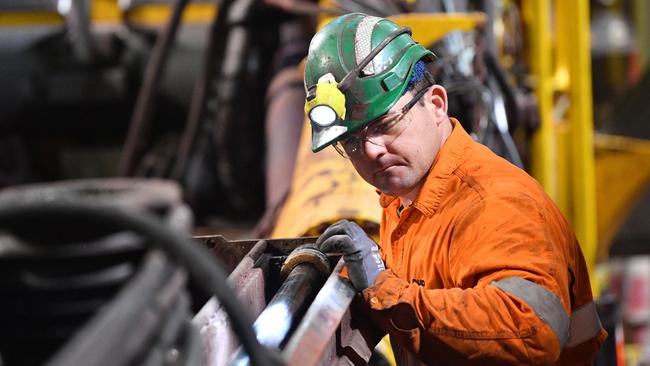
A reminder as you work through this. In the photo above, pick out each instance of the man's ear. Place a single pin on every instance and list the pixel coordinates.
(438, 97)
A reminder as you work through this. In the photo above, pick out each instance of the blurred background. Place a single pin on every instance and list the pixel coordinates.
(209, 94)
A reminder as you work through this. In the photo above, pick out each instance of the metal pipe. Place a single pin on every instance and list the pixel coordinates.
(287, 305)
(310, 340)
(286, 308)
(78, 24)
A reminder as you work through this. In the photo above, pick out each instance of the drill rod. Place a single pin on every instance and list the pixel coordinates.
(285, 309)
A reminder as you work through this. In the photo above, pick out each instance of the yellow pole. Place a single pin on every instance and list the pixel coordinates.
(576, 18)
(642, 25)
(537, 16)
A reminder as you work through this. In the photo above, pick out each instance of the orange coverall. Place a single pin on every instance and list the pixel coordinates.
(482, 269)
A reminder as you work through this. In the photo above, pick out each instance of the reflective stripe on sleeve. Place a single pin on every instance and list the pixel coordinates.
(585, 324)
(546, 304)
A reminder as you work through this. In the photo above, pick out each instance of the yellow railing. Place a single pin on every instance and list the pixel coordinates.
(108, 12)
(29, 18)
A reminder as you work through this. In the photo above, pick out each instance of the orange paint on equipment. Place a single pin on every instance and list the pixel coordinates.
(325, 188)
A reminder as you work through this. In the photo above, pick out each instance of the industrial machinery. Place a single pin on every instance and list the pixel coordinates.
(107, 280)
(209, 94)
(308, 313)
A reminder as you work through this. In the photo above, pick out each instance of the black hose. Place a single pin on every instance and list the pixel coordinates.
(496, 70)
(212, 61)
(198, 261)
(143, 110)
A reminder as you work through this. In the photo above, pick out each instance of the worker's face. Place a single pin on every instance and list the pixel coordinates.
(398, 167)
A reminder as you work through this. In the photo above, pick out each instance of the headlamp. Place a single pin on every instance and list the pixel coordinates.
(323, 115)
(325, 106)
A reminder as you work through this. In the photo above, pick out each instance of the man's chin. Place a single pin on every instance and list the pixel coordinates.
(392, 188)
(396, 186)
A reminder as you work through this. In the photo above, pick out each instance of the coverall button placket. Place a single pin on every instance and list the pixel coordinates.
(403, 223)
(400, 231)
(396, 247)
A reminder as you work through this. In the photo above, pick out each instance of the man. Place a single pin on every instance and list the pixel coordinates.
(480, 266)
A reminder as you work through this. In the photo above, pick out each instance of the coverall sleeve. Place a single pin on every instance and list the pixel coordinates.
(476, 321)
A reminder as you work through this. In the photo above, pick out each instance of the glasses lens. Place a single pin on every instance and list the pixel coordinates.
(322, 115)
(384, 132)
(381, 132)
(339, 149)
(388, 128)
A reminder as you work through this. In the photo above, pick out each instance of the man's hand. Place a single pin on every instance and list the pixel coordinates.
(360, 253)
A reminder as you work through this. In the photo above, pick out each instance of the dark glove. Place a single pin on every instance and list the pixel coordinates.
(360, 253)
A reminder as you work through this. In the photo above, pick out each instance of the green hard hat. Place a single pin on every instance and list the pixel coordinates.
(369, 90)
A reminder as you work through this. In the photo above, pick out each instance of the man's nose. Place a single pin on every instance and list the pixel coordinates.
(373, 150)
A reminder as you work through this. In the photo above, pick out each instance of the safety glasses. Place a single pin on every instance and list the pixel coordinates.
(381, 132)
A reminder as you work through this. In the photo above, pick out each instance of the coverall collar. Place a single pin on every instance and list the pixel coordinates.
(448, 159)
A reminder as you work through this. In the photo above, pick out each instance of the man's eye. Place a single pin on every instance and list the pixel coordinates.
(384, 126)
(350, 142)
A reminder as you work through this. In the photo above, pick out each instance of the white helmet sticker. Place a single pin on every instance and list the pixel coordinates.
(363, 42)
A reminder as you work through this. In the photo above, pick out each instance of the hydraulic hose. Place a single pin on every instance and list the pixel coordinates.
(143, 110)
(197, 260)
